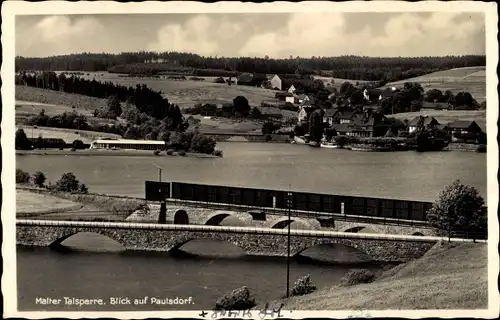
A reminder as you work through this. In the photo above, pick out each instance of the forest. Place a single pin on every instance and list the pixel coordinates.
(346, 67)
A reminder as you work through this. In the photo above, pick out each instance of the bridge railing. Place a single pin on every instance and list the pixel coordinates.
(302, 213)
(247, 230)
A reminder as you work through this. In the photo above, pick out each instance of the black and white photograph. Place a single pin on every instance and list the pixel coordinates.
(250, 160)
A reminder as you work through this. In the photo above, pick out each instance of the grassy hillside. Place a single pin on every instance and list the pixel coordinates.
(68, 135)
(445, 116)
(471, 79)
(447, 277)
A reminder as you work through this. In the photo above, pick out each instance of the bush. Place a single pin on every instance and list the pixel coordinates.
(22, 142)
(302, 286)
(202, 144)
(458, 208)
(156, 152)
(182, 153)
(218, 153)
(22, 176)
(170, 152)
(357, 276)
(78, 144)
(238, 299)
(69, 183)
(39, 179)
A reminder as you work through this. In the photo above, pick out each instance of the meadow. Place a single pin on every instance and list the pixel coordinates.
(471, 79)
(447, 277)
(68, 135)
(30, 203)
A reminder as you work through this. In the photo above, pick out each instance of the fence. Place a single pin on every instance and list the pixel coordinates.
(301, 201)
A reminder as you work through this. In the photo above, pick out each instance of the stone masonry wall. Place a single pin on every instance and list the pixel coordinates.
(252, 243)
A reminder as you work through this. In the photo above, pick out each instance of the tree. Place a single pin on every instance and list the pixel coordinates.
(268, 127)
(316, 126)
(78, 144)
(458, 208)
(241, 106)
(67, 183)
(330, 133)
(39, 179)
(255, 113)
(434, 95)
(22, 142)
(357, 97)
(347, 89)
(202, 144)
(22, 176)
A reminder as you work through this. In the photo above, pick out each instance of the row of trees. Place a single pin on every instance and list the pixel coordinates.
(143, 98)
(67, 182)
(346, 67)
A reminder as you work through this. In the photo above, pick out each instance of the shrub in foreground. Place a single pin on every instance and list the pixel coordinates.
(69, 183)
(39, 179)
(238, 299)
(22, 176)
(302, 286)
(458, 208)
(357, 276)
(218, 153)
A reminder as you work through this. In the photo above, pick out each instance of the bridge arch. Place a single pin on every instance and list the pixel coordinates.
(56, 239)
(354, 229)
(347, 251)
(283, 222)
(216, 218)
(181, 217)
(418, 233)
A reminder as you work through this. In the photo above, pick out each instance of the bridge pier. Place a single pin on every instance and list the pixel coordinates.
(326, 222)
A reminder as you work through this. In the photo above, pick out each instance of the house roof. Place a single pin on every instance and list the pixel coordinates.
(462, 124)
(330, 112)
(427, 121)
(245, 77)
(346, 114)
(341, 127)
(270, 76)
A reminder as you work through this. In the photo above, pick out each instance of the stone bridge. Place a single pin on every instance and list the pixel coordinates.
(178, 214)
(254, 241)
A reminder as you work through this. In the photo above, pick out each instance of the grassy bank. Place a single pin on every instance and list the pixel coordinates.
(90, 205)
(447, 277)
(29, 204)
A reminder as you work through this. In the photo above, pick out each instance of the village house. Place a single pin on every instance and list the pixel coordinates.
(245, 79)
(429, 122)
(304, 112)
(464, 127)
(304, 99)
(292, 89)
(364, 124)
(285, 96)
(274, 81)
(428, 106)
(329, 116)
(388, 93)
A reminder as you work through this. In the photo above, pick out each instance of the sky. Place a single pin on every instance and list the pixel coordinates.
(277, 35)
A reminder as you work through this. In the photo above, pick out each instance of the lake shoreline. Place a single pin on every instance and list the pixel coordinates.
(122, 153)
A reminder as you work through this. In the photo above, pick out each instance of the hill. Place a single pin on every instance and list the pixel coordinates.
(446, 277)
(469, 79)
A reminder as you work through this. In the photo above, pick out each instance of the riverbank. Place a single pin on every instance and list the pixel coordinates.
(449, 276)
(39, 202)
(103, 152)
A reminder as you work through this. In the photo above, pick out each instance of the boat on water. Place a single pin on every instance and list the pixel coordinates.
(370, 148)
(329, 145)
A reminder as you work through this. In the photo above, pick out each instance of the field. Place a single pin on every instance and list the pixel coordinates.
(30, 203)
(471, 79)
(337, 82)
(68, 135)
(186, 93)
(446, 116)
(31, 101)
(446, 277)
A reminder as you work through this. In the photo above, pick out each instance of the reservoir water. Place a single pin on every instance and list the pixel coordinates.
(43, 272)
(398, 175)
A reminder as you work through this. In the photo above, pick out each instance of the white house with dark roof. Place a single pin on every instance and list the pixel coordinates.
(275, 81)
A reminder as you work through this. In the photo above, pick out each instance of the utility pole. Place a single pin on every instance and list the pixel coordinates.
(162, 217)
(289, 204)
